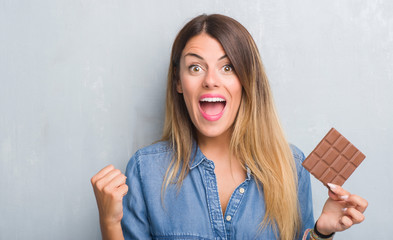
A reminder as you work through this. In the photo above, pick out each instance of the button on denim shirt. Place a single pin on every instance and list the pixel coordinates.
(194, 211)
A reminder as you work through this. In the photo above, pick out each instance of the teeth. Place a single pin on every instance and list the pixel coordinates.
(217, 99)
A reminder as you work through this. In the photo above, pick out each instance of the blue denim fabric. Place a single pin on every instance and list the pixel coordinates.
(194, 211)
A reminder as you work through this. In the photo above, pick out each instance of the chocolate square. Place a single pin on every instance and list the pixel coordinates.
(334, 159)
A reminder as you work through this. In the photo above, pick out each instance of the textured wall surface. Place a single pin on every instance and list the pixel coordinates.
(81, 86)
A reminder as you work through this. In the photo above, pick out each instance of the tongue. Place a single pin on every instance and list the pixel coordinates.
(212, 108)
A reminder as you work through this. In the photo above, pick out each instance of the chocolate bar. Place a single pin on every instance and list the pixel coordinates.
(334, 159)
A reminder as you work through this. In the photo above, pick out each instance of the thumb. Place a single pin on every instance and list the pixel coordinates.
(123, 189)
(337, 193)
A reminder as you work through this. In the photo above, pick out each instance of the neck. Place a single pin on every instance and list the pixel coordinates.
(215, 148)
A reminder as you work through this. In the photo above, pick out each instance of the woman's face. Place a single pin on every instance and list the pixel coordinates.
(210, 87)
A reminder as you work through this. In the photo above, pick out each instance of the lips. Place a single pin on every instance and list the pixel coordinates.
(212, 106)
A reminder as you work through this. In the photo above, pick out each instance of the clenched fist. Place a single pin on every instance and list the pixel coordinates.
(109, 186)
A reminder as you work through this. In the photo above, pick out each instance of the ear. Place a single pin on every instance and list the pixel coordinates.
(179, 89)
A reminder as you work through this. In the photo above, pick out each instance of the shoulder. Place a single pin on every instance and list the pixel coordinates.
(161, 147)
(298, 157)
(157, 155)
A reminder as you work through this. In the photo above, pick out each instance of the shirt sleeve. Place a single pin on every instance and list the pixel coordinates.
(135, 222)
(304, 193)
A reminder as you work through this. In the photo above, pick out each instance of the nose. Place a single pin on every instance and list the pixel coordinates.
(211, 80)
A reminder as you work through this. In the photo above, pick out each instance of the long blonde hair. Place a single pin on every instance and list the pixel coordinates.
(257, 138)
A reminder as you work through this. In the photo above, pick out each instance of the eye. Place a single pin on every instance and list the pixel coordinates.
(228, 68)
(195, 68)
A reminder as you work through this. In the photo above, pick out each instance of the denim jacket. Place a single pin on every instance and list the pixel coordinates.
(194, 211)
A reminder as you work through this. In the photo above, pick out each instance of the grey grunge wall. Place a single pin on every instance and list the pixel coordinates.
(82, 86)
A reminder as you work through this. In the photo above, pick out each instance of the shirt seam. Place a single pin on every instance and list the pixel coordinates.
(138, 161)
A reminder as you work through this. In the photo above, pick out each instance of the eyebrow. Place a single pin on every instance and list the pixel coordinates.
(197, 56)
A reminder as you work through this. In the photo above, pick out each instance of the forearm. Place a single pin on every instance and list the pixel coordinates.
(111, 232)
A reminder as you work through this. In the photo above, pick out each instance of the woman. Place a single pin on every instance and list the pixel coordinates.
(223, 169)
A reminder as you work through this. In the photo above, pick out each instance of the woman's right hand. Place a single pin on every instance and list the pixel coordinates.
(109, 186)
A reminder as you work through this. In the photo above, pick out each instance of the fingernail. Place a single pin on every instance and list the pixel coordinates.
(344, 209)
(345, 197)
(332, 186)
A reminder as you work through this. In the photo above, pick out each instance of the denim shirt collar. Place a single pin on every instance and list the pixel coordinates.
(197, 158)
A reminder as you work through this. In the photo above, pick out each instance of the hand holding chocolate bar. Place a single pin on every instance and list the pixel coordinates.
(332, 162)
(341, 210)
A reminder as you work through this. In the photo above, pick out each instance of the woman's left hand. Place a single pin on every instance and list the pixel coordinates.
(341, 211)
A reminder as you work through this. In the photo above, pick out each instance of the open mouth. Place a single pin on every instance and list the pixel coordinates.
(212, 107)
